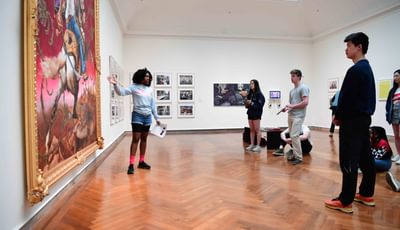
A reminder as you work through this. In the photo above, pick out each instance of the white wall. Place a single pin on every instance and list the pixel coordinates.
(222, 61)
(13, 205)
(330, 61)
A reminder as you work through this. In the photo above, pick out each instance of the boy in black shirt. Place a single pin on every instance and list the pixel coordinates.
(355, 107)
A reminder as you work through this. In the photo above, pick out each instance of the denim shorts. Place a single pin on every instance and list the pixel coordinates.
(141, 119)
(396, 114)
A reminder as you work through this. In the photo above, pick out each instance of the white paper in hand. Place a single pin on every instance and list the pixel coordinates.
(159, 130)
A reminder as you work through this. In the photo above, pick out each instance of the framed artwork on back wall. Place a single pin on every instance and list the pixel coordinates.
(185, 80)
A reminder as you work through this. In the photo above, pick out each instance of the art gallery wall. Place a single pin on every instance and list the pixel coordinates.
(223, 60)
(329, 61)
(14, 207)
(215, 60)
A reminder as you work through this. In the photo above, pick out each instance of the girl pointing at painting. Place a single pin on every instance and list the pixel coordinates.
(143, 109)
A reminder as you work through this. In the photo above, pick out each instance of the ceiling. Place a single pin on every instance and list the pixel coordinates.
(262, 19)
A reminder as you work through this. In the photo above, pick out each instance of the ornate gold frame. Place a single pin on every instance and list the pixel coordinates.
(38, 181)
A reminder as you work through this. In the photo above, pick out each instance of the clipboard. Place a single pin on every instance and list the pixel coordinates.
(159, 130)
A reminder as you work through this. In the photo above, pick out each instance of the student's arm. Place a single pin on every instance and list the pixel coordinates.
(302, 104)
(154, 111)
(121, 91)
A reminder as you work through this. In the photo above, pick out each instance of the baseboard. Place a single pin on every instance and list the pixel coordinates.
(205, 131)
(73, 186)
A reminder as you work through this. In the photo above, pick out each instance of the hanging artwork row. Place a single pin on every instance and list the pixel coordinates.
(116, 102)
(164, 98)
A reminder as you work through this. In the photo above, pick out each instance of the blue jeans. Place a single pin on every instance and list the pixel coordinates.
(383, 165)
(141, 119)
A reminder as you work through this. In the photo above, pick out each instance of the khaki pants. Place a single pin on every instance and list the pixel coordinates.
(295, 124)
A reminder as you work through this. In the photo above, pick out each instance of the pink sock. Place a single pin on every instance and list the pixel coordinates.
(131, 159)
(141, 158)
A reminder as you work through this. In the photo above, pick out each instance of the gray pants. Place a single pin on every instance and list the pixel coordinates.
(295, 130)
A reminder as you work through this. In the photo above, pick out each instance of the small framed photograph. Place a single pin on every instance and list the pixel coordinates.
(162, 79)
(185, 79)
(185, 110)
(333, 84)
(185, 95)
(164, 110)
(163, 95)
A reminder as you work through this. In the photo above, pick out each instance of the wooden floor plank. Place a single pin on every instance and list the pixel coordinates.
(208, 181)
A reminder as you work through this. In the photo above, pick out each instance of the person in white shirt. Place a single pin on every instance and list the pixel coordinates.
(143, 109)
(297, 107)
(305, 139)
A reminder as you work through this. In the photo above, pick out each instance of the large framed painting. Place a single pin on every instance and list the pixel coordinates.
(228, 94)
(61, 89)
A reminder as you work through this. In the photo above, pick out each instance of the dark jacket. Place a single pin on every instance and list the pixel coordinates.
(357, 96)
(389, 105)
(257, 104)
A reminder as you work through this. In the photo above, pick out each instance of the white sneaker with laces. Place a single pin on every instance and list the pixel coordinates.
(250, 148)
(257, 149)
(394, 184)
(396, 158)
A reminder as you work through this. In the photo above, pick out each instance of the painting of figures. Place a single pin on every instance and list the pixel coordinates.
(61, 85)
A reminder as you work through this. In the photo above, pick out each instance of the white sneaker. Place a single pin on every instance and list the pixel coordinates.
(257, 149)
(394, 184)
(398, 162)
(396, 158)
(250, 148)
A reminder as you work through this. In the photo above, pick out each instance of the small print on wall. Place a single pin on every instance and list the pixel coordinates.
(185, 95)
(333, 84)
(164, 110)
(384, 88)
(185, 80)
(163, 95)
(163, 79)
(185, 110)
(115, 100)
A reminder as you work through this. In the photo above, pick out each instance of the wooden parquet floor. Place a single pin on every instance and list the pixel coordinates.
(208, 181)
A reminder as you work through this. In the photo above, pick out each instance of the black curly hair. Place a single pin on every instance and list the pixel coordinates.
(139, 76)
